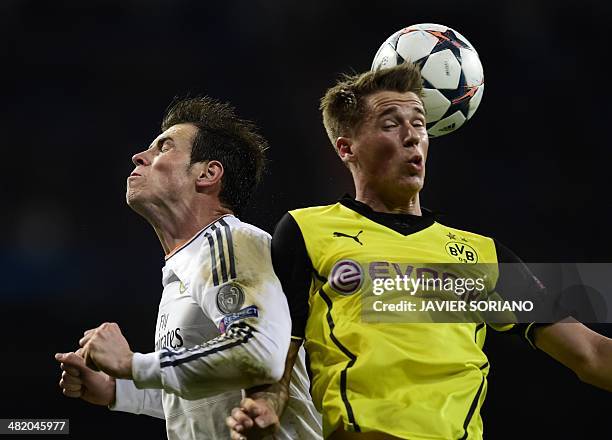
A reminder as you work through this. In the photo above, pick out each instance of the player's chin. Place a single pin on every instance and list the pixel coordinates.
(133, 198)
(412, 183)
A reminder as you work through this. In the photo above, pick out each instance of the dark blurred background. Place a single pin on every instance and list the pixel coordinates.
(85, 85)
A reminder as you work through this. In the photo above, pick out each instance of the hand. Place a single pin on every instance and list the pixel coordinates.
(78, 381)
(255, 419)
(105, 349)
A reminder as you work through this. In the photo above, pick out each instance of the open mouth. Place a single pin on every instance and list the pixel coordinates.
(416, 160)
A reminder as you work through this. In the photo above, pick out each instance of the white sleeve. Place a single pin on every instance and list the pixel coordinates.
(237, 289)
(130, 399)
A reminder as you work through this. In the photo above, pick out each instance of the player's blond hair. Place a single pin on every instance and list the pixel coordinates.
(344, 105)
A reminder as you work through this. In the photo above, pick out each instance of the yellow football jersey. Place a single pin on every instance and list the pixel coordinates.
(410, 380)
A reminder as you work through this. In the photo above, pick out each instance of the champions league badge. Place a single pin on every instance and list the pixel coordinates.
(346, 277)
(230, 298)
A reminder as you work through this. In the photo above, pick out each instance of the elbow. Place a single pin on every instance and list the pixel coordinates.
(262, 370)
(592, 372)
(586, 372)
(190, 395)
(265, 364)
(591, 375)
(584, 364)
(276, 364)
(276, 371)
(263, 360)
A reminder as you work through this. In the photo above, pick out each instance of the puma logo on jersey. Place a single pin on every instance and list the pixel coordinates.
(354, 237)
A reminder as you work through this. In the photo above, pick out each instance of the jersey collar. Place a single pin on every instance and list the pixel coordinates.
(404, 224)
(185, 258)
(194, 238)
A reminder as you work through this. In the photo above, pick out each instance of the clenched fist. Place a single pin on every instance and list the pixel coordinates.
(78, 381)
(105, 349)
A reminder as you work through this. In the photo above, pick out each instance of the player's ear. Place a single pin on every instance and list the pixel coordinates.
(344, 148)
(209, 174)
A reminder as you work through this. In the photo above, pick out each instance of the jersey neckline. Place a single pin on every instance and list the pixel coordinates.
(182, 246)
(404, 224)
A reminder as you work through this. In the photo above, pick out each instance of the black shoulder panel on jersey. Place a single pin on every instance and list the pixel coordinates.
(294, 269)
(515, 278)
(516, 281)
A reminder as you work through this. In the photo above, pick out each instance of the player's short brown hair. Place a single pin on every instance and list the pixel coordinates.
(225, 137)
(344, 105)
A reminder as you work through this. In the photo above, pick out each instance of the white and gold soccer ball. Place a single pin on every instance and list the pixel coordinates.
(452, 73)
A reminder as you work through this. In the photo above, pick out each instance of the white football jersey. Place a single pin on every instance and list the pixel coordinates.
(223, 325)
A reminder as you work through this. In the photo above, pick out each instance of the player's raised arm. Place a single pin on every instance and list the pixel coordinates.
(579, 348)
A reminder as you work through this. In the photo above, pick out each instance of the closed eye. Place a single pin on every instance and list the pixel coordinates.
(390, 124)
(164, 144)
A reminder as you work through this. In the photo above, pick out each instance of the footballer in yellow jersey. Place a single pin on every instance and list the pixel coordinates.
(375, 380)
(411, 380)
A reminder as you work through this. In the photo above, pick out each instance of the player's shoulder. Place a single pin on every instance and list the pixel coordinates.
(315, 211)
(243, 231)
(463, 233)
(459, 241)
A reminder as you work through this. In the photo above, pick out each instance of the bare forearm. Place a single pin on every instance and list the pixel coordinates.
(579, 348)
(599, 371)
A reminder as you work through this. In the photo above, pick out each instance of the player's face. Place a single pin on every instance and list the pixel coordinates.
(391, 144)
(162, 176)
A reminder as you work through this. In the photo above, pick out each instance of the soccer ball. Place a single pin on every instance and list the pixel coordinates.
(453, 78)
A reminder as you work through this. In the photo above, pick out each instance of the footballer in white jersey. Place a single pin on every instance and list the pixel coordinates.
(220, 281)
(223, 324)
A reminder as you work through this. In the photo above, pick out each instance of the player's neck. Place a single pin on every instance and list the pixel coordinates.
(178, 226)
(394, 205)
